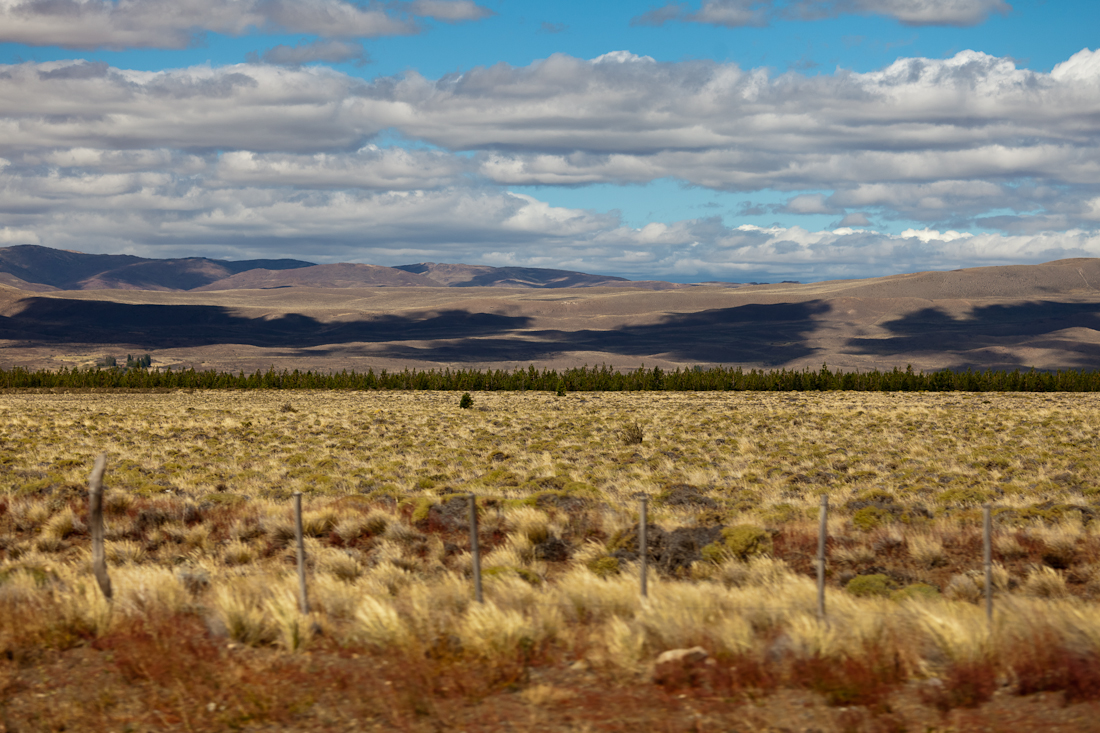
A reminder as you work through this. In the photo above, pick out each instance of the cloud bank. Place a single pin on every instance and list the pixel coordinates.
(265, 159)
(741, 13)
(119, 24)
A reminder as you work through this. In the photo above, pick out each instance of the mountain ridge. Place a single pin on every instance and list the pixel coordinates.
(43, 268)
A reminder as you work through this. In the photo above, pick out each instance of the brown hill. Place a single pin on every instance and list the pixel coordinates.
(67, 270)
(344, 275)
(482, 276)
(1042, 316)
(1060, 277)
(6, 278)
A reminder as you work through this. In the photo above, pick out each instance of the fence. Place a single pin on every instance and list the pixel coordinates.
(99, 564)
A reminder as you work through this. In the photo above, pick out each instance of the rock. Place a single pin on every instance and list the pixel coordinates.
(680, 667)
(552, 549)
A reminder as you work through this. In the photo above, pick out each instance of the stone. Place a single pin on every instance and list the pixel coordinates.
(680, 667)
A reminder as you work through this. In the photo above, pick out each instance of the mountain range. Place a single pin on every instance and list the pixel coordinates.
(41, 269)
(255, 314)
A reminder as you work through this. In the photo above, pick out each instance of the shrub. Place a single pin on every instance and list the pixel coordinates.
(1044, 582)
(466, 402)
(863, 586)
(741, 541)
(870, 517)
(560, 392)
(633, 434)
(604, 565)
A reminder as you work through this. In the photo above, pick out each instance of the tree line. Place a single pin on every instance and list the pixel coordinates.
(580, 379)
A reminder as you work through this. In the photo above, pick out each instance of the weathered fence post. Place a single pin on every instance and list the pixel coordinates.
(95, 522)
(303, 597)
(987, 559)
(822, 532)
(475, 552)
(643, 545)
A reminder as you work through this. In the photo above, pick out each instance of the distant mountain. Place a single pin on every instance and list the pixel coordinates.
(30, 267)
(323, 276)
(67, 270)
(483, 276)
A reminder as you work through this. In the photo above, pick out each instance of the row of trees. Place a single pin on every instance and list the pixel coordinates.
(582, 379)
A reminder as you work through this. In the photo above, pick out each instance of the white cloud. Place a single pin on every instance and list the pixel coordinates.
(370, 167)
(175, 23)
(935, 140)
(740, 13)
(931, 235)
(451, 11)
(932, 12)
(273, 205)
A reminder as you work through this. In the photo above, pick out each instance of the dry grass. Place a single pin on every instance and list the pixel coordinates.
(200, 535)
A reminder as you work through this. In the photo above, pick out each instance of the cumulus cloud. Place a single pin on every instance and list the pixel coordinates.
(176, 23)
(235, 206)
(371, 167)
(261, 158)
(933, 140)
(740, 13)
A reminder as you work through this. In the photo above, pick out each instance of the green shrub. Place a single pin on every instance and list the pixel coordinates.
(560, 392)
(741, 541)
(604, 565)
(524, 573)
(870, 517)
(863, 586)
(466, 402)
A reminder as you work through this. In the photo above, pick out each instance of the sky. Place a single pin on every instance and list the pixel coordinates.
(732, 140)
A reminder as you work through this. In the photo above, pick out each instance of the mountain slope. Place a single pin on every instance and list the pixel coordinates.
(344, 275)
(79, 271)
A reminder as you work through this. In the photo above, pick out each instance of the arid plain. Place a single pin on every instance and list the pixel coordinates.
(1041, 316)
(205, 632)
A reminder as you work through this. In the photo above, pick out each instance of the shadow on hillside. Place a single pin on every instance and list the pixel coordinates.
(56, 321)
(773, 335)
(1009, 327)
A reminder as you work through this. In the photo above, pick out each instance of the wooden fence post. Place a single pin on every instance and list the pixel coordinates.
(303, 597)
(475, 552)
(987, 559)
(643, 545)
(822, 532)
(95, 521)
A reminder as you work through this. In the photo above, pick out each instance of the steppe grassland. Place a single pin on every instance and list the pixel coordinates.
(199, 526)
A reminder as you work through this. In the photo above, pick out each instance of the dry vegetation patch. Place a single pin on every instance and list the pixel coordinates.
(200, 543)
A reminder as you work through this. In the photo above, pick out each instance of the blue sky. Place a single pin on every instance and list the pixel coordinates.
(711, 139)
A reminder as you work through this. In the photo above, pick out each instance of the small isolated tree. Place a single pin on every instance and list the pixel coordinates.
(466, 402)
(561, 388)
